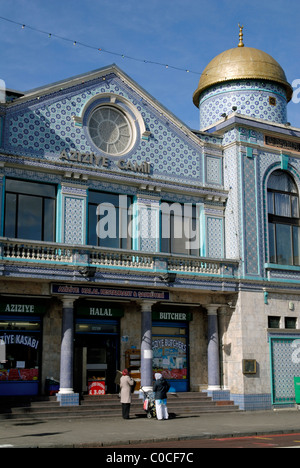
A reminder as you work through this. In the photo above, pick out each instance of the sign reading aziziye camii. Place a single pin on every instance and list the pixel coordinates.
(102, 161)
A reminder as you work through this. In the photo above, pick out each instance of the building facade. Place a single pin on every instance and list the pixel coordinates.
(128, 239)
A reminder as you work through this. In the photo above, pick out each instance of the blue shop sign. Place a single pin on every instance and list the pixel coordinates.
(102, 291)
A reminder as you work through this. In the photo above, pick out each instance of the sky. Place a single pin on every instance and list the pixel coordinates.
(178, 35)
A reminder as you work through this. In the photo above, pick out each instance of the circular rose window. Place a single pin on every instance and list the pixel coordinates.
(110, 130)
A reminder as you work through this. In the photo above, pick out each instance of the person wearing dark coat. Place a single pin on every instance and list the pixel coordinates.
(126, 382)
(161, 388)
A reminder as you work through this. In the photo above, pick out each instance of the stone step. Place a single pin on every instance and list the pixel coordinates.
(108, 406)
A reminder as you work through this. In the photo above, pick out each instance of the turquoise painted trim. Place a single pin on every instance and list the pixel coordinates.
(3, 205)
(87, 218)
(242, 233)
(257, 218)
(83, 227)
(282, 267)
(1, 130)
(203, 239)
(249, 152)
(159, 226)
(157, 223)
(271, 371)
(135, 224)
(272, 168)
(265, 207)
(271, 338)
(266, 295)
(59, 214)
(284, 161)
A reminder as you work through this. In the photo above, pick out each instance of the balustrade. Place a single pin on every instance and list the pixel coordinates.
(43, 252)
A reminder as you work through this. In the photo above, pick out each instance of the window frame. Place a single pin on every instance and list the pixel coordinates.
(17, 215)
(277, 220)
(168, 244)
(124, 243)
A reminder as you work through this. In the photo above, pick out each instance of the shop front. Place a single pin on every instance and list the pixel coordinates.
(21, 347)
(97, 347)
(170, 344)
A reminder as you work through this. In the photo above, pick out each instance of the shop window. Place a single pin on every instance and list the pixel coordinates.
(29, 210)
(109, 219)
(21, 339)
(179, 229)
(170, 351)
(284, 220)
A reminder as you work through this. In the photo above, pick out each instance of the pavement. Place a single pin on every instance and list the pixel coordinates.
(109, 432)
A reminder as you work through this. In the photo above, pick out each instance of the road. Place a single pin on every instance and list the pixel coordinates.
(261, 441)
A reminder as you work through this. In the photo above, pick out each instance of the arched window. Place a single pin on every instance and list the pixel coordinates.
(284, 219)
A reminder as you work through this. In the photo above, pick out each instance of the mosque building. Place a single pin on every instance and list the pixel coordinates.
(129, 239)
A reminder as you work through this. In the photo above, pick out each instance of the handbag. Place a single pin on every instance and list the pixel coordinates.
(132, 388)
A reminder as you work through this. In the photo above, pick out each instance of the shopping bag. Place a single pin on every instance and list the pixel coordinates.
(146, 403)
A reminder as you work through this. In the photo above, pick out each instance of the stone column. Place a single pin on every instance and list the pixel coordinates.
(146, 346)
(213, 349)
(67, 346)
(223, 345)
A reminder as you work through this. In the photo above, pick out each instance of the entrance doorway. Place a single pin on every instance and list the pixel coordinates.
(96, 355)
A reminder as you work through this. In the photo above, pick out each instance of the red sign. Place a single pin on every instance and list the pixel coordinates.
(97, 387)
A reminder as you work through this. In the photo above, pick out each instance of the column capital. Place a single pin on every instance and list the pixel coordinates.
(68, 301)
(212, 309)
(146, 306)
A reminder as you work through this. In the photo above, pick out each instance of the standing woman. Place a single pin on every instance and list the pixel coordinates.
(126, 383)
(161, 388)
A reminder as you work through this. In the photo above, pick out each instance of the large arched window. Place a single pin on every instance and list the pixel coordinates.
(284, 219)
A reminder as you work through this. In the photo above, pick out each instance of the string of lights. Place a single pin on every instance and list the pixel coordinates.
(98, 49)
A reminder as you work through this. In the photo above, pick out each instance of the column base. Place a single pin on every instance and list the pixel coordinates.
(214, 388)
(65, 391)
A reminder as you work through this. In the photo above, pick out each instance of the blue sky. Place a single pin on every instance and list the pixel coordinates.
(182, 33)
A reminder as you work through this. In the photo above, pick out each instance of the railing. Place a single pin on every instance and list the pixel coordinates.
(16, 250)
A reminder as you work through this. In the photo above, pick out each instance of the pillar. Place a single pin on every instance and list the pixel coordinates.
(146, 346)
(213, 355)
(67, 346)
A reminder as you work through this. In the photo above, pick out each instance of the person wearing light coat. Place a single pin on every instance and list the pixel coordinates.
(126, 382)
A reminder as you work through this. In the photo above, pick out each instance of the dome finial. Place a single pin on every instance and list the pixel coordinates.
(241, 44)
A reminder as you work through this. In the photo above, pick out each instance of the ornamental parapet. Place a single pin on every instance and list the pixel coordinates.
(19, 251)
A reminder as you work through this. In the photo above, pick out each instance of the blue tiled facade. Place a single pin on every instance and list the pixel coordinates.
(251, 98)
(229, 282)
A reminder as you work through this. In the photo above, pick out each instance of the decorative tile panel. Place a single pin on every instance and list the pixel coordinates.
(148, 216)
(213, 170)
(215, 237)
(73, 216)
(285, 364)
(251, 98)
(250, 221)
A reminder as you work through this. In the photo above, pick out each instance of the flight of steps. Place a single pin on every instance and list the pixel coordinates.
(108, 406)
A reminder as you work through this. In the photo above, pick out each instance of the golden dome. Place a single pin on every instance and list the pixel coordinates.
(242, 63)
